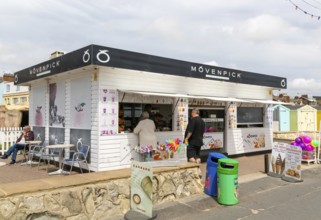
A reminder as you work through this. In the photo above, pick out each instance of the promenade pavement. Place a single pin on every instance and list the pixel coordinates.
(255, 192)
(248, 165)
(260, 198)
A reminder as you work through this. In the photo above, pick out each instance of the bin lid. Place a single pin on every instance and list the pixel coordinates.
(227, 166)
(213, 158)
(216, 154)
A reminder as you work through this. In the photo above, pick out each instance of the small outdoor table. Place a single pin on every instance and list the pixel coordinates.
(63, 146)
(30, 143)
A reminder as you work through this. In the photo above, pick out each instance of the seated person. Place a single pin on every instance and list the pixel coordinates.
(26, 135)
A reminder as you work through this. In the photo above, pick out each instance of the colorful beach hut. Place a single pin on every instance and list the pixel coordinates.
(303, 118)
(318, 108)
(281, 118)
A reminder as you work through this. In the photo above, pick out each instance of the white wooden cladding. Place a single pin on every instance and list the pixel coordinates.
(113, 152)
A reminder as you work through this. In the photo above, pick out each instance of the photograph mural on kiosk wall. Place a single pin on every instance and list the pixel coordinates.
(80, 112)
(80, 103)
(37, 119)
(57, 94)
(57, 104)
(39, 133)
(56, 135)
(39, 101)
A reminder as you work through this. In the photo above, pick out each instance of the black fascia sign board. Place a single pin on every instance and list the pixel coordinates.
(111, 57)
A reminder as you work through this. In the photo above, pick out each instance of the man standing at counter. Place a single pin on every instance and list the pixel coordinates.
(194, 136)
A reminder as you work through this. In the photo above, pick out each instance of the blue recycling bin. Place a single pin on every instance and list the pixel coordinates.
(210, 187)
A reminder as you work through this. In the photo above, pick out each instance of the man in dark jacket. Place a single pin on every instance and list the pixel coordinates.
(194, 137)
(26, 135)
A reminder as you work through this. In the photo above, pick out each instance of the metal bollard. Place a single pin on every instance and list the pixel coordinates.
(266, 163)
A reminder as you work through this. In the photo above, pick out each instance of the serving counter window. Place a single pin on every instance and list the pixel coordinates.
(213, 118)
(130, 115)
(214, 127)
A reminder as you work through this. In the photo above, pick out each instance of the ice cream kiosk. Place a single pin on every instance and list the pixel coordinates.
(96, 94)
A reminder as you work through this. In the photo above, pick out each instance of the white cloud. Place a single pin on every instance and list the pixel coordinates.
(268, 37)
(262, 28)
(304, 86)
(165, 28)
(212, 63)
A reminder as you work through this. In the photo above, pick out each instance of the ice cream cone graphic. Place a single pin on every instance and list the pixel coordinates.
(147, 186)
(273, 164)
(278, 164)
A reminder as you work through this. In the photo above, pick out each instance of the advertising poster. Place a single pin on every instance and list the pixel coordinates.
(212, 141)
(108, 112)
(80, 103)
(292, 168)
(57, 104)
(141, 188)
(277, 161)
(253, 140)
(38, 112)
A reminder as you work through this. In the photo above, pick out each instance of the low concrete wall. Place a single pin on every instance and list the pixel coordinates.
(93, 195)
(291, 135)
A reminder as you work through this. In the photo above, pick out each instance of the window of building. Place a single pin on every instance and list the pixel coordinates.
(17, 88)
(23, 99)
(15, 101)
(8, 88)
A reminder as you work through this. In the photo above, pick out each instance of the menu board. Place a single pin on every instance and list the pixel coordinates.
(108, 112)
(292, 168)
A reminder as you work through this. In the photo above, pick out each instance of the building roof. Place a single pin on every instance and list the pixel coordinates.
(95, 55)
(294, 107)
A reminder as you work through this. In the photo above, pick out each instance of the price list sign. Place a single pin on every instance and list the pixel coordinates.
(292, 169)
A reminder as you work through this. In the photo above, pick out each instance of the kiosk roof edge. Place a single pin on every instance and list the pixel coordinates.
(117, 58)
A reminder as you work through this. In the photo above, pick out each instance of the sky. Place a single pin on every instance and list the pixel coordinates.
(273, 37)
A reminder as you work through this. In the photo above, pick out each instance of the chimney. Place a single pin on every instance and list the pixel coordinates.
(56, 54)
(8, 77)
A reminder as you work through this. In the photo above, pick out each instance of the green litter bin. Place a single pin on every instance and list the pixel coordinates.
(227, 181)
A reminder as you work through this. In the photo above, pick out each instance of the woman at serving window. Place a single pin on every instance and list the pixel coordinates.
(145, 129)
